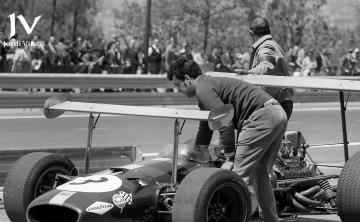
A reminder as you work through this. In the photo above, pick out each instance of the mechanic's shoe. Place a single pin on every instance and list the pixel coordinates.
(228, 165)
(200, 154)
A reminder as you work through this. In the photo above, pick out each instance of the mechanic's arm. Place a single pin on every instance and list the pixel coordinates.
(208, 100)
(265, 63)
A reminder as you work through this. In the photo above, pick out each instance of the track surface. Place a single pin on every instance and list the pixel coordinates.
(32, 131)
(22, 130)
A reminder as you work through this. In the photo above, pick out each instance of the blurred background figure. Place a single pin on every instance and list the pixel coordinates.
(357, 62)
(51, 56)
(171, 52)
(348, 64)
(215, 58)
(3, 56)
(114, 59)
(62, 55)
(22, 60)
(200, 57)
(300, 56)
(186, 51)
(38, 53)
(154, 57)
(131, 58)
(308, 64)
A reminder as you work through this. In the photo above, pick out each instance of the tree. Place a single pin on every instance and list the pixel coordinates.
(130, 20)
(291, 17)
(53, 17)
(188, 21)
(205, 11)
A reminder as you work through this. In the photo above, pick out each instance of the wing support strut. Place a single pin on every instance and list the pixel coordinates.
(91, 128)
(343, 121)
(177, 133)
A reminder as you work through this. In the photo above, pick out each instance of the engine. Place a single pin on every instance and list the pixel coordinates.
(292, 167)
(291, 162)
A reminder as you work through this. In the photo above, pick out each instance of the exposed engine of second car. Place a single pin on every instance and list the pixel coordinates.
(291, 162)
(298, 184)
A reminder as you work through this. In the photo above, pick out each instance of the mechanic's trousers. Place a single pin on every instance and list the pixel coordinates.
(258, 145)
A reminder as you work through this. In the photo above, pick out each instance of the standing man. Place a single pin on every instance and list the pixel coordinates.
(154, 57)
(268, 58)
(347, 64)
(131, 58)
(51, 56)
(257, 116)
(3, 51)
(170, 53)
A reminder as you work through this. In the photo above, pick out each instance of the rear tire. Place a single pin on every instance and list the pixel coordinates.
(31, 176)
(348, 192)
(212, 194)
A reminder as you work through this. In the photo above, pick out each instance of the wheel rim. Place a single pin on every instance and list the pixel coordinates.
(47, 180)
(227, 203)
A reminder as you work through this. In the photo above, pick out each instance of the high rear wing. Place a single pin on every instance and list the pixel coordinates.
(98, 108)
(294, 82)
(217, 118)
(57, 105)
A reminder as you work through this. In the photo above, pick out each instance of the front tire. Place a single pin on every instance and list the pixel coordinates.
(212, 194)
(31, 176)
(348, 192)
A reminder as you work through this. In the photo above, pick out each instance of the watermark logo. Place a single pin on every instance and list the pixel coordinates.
(29, 29)
(24, 23)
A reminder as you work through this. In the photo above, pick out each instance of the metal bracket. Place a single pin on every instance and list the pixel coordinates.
(177, 133)
(91, 128)
(343, 121)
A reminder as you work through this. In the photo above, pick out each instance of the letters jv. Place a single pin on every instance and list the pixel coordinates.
(21, 18)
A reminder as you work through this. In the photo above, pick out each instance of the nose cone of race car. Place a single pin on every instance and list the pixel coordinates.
(94, 198)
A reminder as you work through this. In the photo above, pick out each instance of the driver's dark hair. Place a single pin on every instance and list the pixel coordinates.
(183, 66)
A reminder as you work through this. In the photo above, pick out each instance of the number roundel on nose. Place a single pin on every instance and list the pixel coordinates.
(93, 184)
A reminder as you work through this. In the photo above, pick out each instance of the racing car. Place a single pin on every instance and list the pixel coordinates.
(44, 187)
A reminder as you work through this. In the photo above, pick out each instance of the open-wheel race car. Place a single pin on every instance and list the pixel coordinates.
(44, 187)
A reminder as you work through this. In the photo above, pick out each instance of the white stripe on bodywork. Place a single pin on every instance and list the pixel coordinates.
(132, 166)
(60, 198)
(161, 159)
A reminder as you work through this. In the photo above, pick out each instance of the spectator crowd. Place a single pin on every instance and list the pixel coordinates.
(127, 57)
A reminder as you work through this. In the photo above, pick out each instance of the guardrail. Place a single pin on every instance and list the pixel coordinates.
(61, 81)
(36, 100)
(16, 99)
(35, 80)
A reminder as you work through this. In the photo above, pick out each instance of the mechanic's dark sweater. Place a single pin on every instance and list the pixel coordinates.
(214, 92)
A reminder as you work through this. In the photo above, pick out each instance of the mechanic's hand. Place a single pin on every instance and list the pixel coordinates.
(242, 71)
(228, 165)
(200, 154)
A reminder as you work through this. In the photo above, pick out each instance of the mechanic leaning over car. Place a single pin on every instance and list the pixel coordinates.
(258, 117)
(268, 58)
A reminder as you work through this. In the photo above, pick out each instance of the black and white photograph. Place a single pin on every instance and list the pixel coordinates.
(179, 111)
